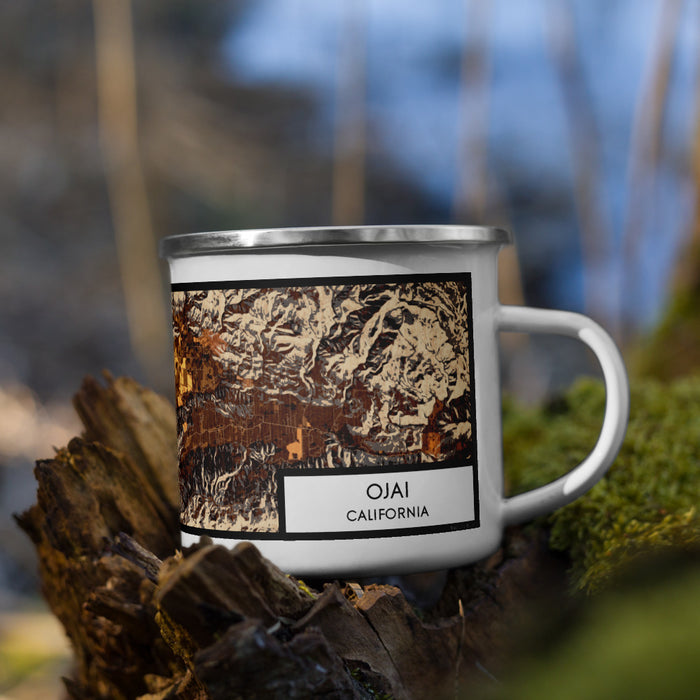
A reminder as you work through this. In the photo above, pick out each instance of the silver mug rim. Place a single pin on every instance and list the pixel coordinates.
(217, 242)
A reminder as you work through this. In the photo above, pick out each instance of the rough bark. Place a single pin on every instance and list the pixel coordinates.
(147, 620)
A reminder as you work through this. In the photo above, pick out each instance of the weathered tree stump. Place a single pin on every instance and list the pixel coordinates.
(147, 620)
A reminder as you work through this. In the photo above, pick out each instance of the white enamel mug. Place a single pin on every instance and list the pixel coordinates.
(338, 395)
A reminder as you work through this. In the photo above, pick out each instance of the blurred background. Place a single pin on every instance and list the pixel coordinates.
(575, 123)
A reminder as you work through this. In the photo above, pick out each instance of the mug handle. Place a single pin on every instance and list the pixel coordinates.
(567, 488)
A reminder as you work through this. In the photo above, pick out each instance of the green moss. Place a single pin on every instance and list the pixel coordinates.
(671, 350)
(639, 641)
(304, 587)
(648, 499)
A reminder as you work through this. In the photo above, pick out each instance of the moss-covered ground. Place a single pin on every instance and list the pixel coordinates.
(648, 501)
(630, 627)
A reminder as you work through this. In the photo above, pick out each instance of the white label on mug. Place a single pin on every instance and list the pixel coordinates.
(292, 394)
(350, 504)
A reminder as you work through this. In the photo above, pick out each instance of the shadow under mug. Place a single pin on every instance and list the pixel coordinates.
(338, 395)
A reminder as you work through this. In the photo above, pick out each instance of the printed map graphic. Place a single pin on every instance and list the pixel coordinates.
(326, 376)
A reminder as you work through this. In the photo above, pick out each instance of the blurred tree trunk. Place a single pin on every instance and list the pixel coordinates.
(135, 240)
(584, 138)
(673, 349)
(646, 143)
(472, 199)
(350, 119)
(476, 200)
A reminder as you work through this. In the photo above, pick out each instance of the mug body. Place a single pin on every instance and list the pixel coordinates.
(338, 395)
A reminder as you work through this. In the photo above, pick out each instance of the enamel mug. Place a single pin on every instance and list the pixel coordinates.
(338, 395)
